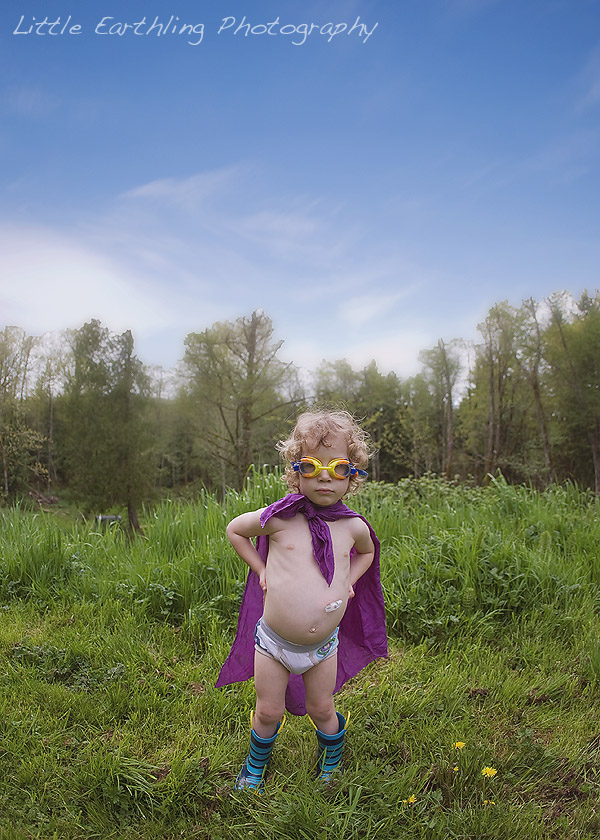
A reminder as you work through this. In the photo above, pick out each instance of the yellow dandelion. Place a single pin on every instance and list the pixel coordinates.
(489, 772)
(459, 745)
(411, 800)
(455, 768)
(488, 802)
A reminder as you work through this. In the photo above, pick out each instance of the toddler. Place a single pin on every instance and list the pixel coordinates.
(312, 615)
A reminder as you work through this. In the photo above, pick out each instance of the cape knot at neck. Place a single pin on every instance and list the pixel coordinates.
(309, 510)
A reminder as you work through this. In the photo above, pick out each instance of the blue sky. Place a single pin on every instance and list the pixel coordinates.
(372, 191)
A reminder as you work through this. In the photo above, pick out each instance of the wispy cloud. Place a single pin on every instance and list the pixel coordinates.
(288, 227)
(189, 193)
(588, 83)
(565, 158)
(226, 224)
(30, 102)
(362, 309)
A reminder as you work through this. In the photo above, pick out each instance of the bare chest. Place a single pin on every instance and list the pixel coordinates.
(294, 542)
(294, 538)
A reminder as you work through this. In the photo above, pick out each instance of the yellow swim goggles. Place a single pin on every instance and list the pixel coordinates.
(338, 468)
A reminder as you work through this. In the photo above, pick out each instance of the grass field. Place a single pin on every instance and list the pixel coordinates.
(109, 649)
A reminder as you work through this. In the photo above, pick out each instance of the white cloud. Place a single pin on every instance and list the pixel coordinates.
(52, 281)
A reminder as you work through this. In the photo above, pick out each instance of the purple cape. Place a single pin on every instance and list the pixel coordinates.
(362, 636)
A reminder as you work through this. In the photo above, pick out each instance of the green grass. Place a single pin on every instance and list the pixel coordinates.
(109, 649)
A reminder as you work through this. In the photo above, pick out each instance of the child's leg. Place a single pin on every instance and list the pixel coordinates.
(270, 683)
(319, 683)
(270, 680)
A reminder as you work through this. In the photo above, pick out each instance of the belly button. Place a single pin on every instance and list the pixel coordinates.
(313, 630)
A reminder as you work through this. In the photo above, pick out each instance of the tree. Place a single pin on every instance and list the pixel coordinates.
(106, 456)
(131, 461)
(19, 443)
(48, 369)
(442, 369)
(337, 384)
(379, 406)
(573, 353)
(496, 415)
(376, 400)
(420, 442)
(531, 360)
(241, 390)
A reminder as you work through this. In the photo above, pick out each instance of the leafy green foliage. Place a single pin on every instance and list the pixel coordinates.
(101, 424)
(241, 391)
(20, 466)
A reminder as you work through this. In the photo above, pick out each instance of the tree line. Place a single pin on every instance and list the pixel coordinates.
(80, 414)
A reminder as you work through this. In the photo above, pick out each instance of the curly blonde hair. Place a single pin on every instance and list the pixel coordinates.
(313, 429)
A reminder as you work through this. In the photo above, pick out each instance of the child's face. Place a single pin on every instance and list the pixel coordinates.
(323, 489)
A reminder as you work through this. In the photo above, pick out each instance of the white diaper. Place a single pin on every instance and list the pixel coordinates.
(296, 658)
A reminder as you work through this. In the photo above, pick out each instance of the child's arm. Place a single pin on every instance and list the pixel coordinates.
(362, 557)
(239, 531)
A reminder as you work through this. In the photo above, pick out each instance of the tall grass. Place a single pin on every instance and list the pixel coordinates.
(109, 649)
(183, 563)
